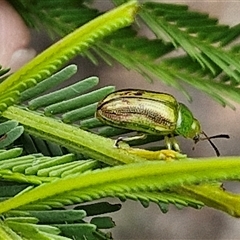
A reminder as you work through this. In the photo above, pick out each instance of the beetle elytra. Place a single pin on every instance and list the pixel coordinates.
(154, 113)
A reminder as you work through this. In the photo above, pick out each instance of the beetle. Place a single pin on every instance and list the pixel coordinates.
(154, 113)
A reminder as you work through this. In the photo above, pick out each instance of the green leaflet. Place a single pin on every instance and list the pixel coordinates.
(162, 199)
(9, 132)
(37, 169)
(62, 96)
(46, 224)
(32, 144)
(29, 230)
(49, 83)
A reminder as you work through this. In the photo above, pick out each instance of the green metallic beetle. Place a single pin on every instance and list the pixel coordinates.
(151, 113)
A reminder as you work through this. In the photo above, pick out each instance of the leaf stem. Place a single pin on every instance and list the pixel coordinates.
(133, 177)
(213, 196)
(71, 137)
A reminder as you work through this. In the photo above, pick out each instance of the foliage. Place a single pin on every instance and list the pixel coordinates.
(65, 156)
(205, 52)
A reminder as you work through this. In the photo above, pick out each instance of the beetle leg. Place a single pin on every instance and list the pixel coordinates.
(171, 143)
(168, 142)
(175, 144)
(128, 139)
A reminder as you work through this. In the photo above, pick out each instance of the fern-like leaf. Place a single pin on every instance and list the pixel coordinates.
(54, 57)
(176, 27)
(76, 103)
(133, 177)
(55, 224)
(57, 17)
(42, 183)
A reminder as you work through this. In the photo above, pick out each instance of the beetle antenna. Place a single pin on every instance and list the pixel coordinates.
(219, 136)
(212, 144)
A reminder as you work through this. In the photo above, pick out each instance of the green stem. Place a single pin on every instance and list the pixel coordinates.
(71, 137)
(213, 196)
(133, 177)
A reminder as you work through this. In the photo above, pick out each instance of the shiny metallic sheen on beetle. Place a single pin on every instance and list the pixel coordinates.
(152, 113)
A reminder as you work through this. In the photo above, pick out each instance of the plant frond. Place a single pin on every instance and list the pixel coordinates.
(49, 83)
(38, 183)
(216, 87)
(73, 104)
(55, 224)
(184, 30)
(162, 199)
(145, 197)
(49, 61)
(207, 60)
(51, 171)
(58, 17)
(33, 145)
(204, 41)
(37, 168)
(131, 177)
(171, 70)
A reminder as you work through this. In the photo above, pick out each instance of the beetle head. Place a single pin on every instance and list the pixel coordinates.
(198, 138)
(195, 130)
